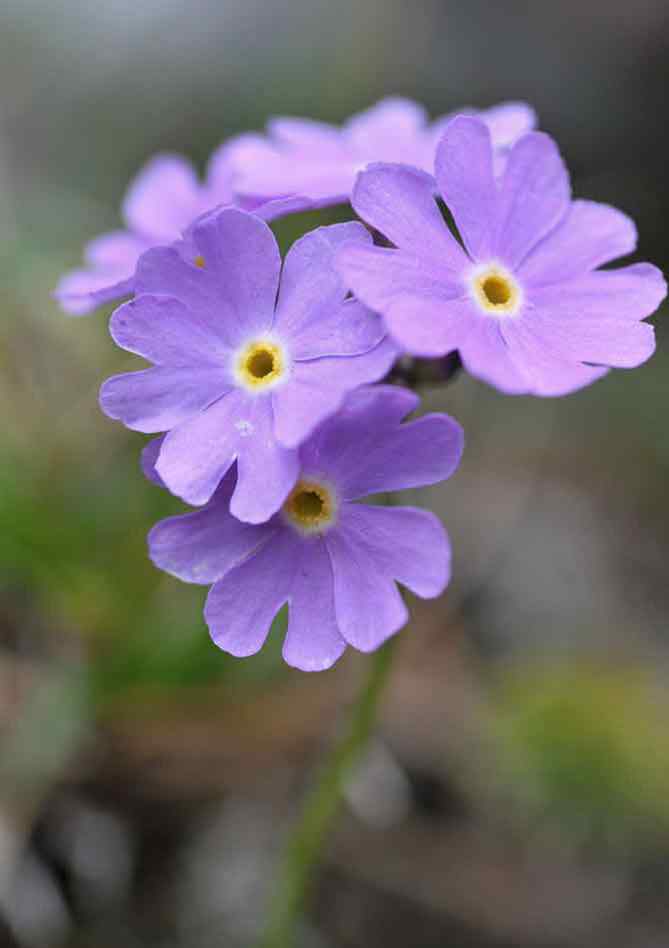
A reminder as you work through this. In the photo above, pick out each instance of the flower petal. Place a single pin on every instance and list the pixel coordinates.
(379, 276)
(399, 202)
(349, 329)
(249, 156)
(311, 287)
(162, 271)
(591, 234)
(317, 388)
(508, 121)
(486, 356)
(368, 604)
(163, 199)
(320, 161)
(242, 256)
(113, 258)
(305, 134)
(466, 180)
(406, 544)
(221, 173)
(267, 471)
(383, 129)
(429, 327)
(241, 606)
(116, 252)
(203, 546)
(197, 453)
(413, 454)
(164, 330)
(156, 399)
(337, 442)
(81, 291)
(273, 169)
(149, 459)
(602, 340)
(626, 293)
(534, 197)
(312, 641)
(321, 182)
(243, 150)
(270, 210)
(548, 373)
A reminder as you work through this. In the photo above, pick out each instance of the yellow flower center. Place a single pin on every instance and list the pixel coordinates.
(199, 261)
(496, 291)
(260, 364)
(310, 507)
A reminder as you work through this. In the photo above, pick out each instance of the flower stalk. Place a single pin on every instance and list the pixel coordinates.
(305, 846)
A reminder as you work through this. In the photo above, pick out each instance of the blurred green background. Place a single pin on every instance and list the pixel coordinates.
(518, 791)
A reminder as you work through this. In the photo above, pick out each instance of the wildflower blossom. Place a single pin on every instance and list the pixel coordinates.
(238, 373)
(334, 561)
(321, 161)
(160, 205)
(522, 301)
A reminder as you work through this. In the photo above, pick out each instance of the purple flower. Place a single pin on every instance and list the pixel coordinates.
(334, 561)
(160, 205)
(523, 302)
(238, 373)
(321, 161)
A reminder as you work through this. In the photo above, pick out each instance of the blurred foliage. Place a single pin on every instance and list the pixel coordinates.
(585, 745)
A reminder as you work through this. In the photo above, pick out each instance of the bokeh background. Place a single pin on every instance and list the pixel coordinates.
(517, 792)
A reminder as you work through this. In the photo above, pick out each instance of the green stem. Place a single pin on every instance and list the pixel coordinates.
(320, 809)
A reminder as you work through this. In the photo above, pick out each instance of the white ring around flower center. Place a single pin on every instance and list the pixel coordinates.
(261, 364)
(495, 290)
(311, 507)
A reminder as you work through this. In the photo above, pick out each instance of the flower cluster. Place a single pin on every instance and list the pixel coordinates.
(262, 372)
